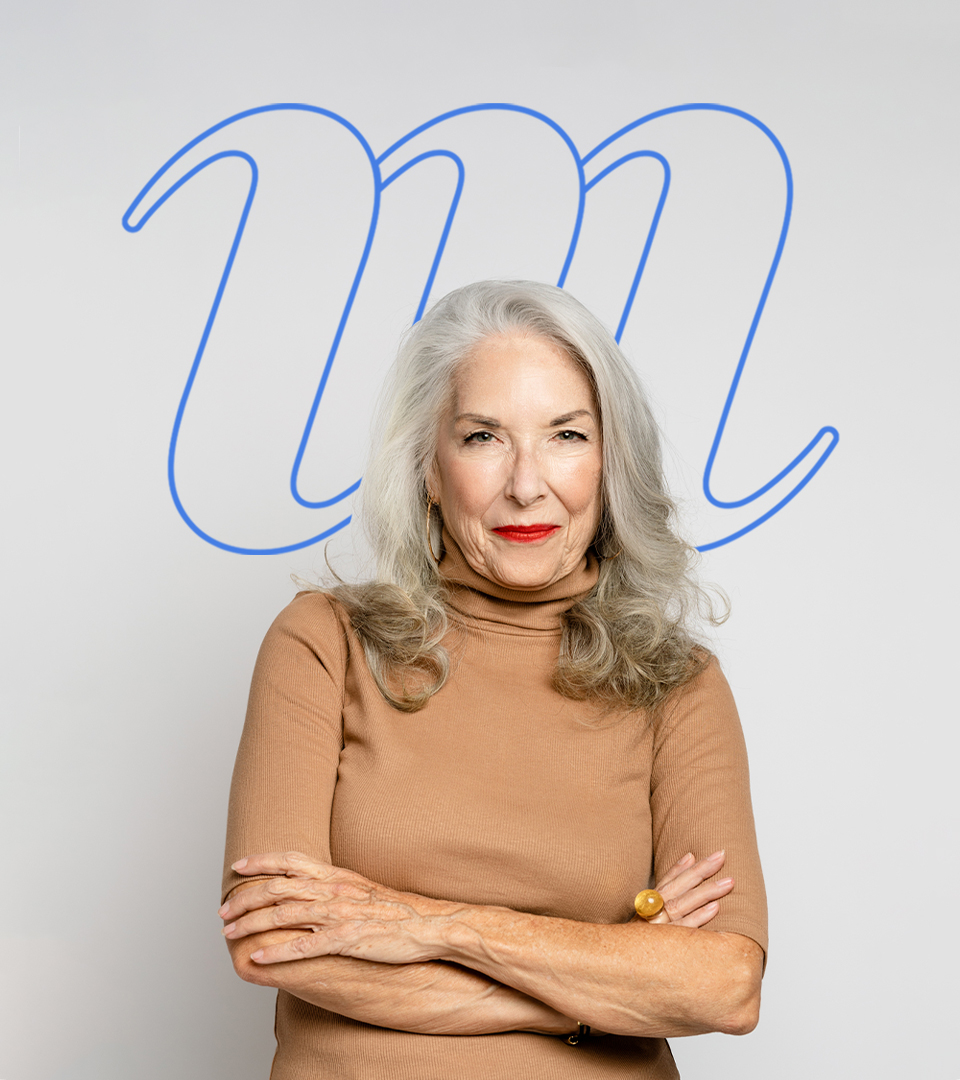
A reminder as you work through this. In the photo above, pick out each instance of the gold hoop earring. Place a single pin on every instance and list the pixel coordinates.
(431, 502)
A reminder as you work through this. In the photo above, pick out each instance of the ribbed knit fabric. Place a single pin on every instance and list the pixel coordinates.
(499, 791)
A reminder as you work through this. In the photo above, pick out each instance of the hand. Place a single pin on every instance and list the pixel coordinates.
(689, 899)
(347, 914)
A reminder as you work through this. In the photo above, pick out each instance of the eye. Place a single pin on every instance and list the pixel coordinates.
(479, 437)
(570, 436)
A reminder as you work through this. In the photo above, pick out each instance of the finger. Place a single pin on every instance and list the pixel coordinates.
(701, 916)
(710, 891)
(281, 890)
(264, 893)
(678, 867)
(347, 905)
(291, 863)
(677, 908)
(376, 941)
(690, 878)
(300, 948)
(696, 872)
(278, 917)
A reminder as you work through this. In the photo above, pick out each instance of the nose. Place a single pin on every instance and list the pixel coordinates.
(526, 484)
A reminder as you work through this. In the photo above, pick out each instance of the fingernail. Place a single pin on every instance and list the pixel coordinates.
(712, 906)
(716, 855)
(687, 857)
(239, 864)
(223, 910)
(227, 930)
(725, 881)
(256, 955)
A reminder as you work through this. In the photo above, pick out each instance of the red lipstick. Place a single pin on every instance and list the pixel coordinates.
(525, 534)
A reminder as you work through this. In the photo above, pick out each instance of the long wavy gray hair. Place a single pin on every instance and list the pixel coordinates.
(627, 643)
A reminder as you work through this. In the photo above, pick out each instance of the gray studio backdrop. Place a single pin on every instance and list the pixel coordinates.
(138, 583)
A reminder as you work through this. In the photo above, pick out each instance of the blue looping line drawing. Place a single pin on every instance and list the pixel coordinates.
(505, 107)
(651, 232)
(379, 185)
(224, 278)
(830, 433)
(451, 214)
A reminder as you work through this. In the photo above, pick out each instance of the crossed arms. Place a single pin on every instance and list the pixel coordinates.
(398, 960)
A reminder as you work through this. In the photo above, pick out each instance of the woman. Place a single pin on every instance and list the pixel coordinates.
(473, 764)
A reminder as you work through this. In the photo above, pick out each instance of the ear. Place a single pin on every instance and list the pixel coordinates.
(432, 479)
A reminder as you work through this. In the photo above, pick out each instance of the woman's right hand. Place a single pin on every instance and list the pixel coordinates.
(689, 899)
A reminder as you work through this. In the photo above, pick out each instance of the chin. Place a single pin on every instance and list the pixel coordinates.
(526, 578)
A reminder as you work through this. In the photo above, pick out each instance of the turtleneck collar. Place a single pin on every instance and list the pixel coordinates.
(474, 595)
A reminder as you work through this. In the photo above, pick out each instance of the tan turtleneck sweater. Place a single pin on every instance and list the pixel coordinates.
(499, 791)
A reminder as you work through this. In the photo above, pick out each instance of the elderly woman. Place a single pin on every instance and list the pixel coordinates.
(454, 780)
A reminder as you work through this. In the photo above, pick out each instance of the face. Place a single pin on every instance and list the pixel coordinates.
(518, 463)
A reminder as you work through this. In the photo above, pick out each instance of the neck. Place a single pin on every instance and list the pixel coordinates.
(473, 594)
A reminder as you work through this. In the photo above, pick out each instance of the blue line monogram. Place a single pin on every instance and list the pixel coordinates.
(765, 501)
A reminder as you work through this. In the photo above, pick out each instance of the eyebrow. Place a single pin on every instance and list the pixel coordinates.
(473, 418)
(567, 417)
(488, 421)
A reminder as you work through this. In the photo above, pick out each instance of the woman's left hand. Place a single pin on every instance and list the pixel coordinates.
(348, 914)
(690, 897)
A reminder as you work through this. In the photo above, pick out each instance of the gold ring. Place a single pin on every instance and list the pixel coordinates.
(648, 903)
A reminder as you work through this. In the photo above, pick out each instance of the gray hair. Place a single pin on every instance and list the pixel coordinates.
(626, 643)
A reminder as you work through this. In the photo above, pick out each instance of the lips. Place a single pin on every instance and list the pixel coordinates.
(526, 534)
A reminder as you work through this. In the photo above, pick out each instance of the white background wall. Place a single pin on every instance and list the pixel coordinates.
(128, 641)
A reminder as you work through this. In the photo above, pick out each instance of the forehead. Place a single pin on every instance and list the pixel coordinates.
(503, 366)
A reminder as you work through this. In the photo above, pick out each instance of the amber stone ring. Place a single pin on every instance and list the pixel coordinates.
(648, 903)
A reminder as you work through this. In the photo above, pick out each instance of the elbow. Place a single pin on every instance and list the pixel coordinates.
(246, 969)
(743, 1019)
(742, 1013)
(261, 974)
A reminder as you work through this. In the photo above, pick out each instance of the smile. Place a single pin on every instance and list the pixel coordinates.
(526, 534)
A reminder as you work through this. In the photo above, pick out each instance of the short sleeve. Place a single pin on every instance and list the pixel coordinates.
(286, 767)
(700, 798)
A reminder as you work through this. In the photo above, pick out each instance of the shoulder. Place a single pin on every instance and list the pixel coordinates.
(313, 623)
(708, 681)
(702, 705)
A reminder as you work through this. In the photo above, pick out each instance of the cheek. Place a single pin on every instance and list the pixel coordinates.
(466, 488)
(583, 490)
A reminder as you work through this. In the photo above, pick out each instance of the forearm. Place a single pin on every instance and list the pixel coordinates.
(430, 998)
(629, 979)
(632, 978)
